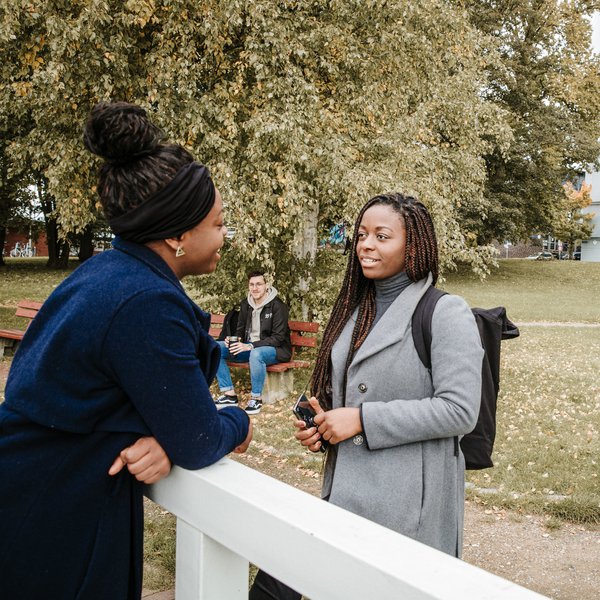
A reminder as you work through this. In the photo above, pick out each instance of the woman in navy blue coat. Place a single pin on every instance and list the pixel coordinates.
(114, 372)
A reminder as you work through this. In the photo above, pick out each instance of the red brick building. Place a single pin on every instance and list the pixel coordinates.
(39, 246)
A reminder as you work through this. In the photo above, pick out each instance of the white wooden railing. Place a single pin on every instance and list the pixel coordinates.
(229, 514)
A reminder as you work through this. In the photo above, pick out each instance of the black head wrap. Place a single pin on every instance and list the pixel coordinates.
(178, 207)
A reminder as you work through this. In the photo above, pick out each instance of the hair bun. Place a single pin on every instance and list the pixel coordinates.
(120, 132)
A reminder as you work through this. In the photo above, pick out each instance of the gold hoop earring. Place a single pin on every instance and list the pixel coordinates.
(179, 252)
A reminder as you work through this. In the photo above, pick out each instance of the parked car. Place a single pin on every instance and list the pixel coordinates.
(577, 255)
(540, 256)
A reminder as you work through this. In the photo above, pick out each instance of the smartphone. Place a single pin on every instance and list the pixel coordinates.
(304, 412)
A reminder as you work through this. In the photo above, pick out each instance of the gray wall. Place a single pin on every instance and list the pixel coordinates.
(590, 249)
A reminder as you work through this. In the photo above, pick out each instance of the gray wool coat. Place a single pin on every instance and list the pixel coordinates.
(402, 471)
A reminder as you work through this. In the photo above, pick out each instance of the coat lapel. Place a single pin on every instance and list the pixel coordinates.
(393, 324)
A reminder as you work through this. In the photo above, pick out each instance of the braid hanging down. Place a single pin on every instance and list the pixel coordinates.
(358, 291)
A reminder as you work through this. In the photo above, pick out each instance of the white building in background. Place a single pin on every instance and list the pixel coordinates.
(590, 248)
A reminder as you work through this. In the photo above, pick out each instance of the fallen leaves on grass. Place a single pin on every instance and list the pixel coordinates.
(548, 423)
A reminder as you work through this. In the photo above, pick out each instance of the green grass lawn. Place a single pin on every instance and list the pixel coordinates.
(26, 279)
(534, 290)
(530, 290)
(548, 442)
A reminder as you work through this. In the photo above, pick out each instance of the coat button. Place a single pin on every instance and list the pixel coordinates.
(358, 440)
(362, 388)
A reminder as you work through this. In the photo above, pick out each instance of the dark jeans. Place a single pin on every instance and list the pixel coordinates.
(266, 587)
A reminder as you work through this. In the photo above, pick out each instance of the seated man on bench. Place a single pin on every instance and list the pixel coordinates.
(262, 338)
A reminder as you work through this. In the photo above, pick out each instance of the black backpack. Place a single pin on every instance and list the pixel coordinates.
(494, 326)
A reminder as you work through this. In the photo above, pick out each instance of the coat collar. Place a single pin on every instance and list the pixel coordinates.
(392, 326)
(161, 268)
(148, 257)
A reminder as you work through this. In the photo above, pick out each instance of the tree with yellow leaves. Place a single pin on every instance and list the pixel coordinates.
(572, 225)
(301, 108)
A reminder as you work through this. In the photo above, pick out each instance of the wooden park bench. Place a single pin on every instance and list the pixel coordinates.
(280, 377)
(10, 338)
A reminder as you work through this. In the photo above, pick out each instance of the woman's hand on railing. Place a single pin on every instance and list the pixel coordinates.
(146, 461)
(244, 445)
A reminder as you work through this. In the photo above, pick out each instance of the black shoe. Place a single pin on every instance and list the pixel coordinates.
(254, 406)
(225, 400)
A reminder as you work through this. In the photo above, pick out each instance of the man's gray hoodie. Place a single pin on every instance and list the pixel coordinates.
(266, 324)
(257, 309)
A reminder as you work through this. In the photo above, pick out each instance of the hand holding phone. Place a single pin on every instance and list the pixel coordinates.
(304, 412)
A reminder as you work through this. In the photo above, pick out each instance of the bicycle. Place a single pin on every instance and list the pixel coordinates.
(19, 251)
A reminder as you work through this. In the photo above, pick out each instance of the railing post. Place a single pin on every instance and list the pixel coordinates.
(206, 570)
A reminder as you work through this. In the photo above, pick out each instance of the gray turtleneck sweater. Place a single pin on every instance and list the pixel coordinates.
(387, 290)
(257, 309)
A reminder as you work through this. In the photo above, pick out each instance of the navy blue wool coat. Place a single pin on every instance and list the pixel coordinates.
(118, 351)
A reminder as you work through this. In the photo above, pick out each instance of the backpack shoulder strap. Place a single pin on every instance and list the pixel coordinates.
(421, 324)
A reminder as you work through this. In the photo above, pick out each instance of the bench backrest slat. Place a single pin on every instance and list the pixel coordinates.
(304, 326)
(303, 341)
(30, 304)
(28, 309)
(26, 313)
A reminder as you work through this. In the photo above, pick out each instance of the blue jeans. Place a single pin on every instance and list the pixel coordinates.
(259, 359)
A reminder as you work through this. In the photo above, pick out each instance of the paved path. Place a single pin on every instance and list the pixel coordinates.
(557, 324)
(149, 595)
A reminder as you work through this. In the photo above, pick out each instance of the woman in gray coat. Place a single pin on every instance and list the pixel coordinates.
(391, 424)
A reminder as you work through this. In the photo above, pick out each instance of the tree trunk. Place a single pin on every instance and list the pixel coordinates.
(58, 250)
(51, 239)
(63, 255)
(2, 240)
(305, 248)
(86, 244)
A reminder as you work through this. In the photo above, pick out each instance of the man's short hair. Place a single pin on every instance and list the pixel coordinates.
(256, 274)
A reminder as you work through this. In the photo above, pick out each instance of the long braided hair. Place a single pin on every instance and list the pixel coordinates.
(358, 291)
